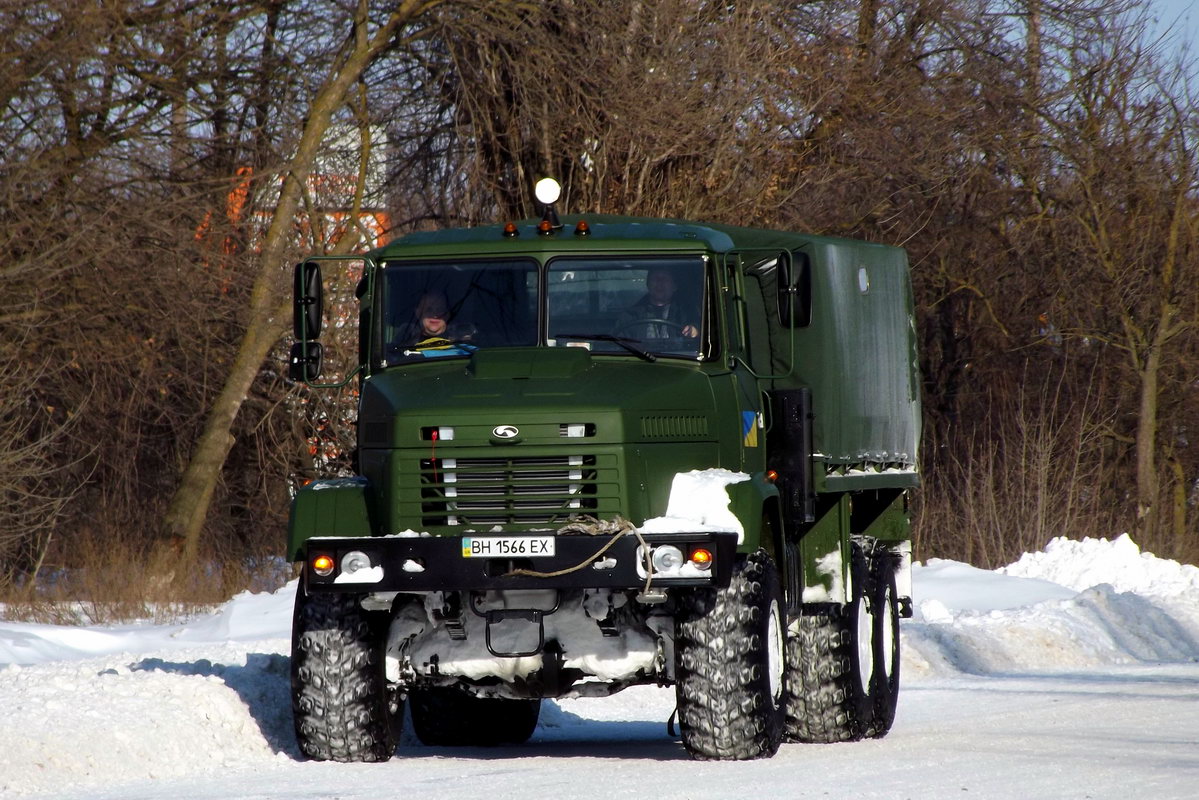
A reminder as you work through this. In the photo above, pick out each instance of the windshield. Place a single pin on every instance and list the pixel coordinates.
(647, 307)
(433, 310)
(652, 305)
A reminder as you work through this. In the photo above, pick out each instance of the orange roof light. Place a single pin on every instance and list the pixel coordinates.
(772, 475)
(510, 230)
(582, 228)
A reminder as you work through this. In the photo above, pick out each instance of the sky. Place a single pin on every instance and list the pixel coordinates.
(1181, 14)
(1070, 673)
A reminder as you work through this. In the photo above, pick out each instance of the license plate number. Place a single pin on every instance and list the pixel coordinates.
(507, 546)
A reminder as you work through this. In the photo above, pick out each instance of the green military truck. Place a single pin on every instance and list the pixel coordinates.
(600, 452)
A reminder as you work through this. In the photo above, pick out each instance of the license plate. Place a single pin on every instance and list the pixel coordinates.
(507, 546)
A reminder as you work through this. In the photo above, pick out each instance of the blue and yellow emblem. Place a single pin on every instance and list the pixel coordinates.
(749, 428)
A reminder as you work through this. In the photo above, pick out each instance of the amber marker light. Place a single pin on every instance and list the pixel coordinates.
(772, 475)
(582, 228)
(702, 557)
(322, 565)
(545, 227)
(510, 230)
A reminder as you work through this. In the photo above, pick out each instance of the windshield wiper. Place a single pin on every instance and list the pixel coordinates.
(623, 341)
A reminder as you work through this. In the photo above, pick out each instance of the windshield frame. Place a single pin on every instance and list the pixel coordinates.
(384, 320)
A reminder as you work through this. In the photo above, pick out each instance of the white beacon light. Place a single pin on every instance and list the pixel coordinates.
(547, 191)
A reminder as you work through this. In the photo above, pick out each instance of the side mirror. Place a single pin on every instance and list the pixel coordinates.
(304, 361)
(308, 305)
(794, 290)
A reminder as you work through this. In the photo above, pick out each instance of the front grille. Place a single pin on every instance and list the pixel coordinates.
(508, 490)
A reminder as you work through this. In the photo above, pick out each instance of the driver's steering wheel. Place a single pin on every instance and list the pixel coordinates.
(678, 327)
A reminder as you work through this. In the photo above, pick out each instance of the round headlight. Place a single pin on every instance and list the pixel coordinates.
(667, 558)
(355, 560)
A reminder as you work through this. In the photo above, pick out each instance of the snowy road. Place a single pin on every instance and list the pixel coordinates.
(1118, 733)
(1037, 683)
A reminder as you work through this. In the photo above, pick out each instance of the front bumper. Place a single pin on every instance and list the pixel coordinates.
(436, 563)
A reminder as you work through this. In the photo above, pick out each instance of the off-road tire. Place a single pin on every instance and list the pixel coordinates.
(829, 670)
(886, 646)
(449, 717)
(341, 704)
(729, 665)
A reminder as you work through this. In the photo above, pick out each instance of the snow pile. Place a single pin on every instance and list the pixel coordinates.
(699, 501)
(1074, 605)
(93, 706)
(1118, 563)
(96, 722)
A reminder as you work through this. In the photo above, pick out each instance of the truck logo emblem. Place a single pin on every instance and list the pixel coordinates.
(505, 432)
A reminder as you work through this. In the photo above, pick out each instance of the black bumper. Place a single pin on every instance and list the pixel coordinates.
(437, 564)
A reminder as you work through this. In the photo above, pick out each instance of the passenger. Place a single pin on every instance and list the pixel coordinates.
(656, 315)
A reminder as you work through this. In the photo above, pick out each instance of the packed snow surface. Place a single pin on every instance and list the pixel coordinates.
(1071, 673)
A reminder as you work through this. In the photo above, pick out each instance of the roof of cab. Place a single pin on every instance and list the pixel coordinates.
(605, 232)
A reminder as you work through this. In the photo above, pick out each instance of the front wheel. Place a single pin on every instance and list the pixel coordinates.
(342, 708)
(729, 671)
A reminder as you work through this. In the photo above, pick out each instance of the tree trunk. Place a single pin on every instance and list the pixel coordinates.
(1146, 443)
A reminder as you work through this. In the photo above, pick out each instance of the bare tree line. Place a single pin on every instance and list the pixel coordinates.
(1037, 159)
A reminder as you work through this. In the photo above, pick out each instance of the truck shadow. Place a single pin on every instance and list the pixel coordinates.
(563, 734)
(263, 686)
(619, 746)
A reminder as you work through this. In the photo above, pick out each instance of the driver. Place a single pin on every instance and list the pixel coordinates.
(658, 307)
(432, 326)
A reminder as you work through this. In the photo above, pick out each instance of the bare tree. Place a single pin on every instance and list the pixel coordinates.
(1129, 201)
(370, 36)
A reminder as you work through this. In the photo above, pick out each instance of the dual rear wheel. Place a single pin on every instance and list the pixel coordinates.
(843, 661)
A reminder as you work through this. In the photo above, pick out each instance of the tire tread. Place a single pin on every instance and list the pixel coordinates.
(725, 708)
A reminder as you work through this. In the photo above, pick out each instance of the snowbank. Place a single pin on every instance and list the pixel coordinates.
(1073, 605)
(1118, 563)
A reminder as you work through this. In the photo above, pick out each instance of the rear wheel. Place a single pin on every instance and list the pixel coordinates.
(830, 666)
(886, 648)
(449, 717)
(729, 672)
(341, 704)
